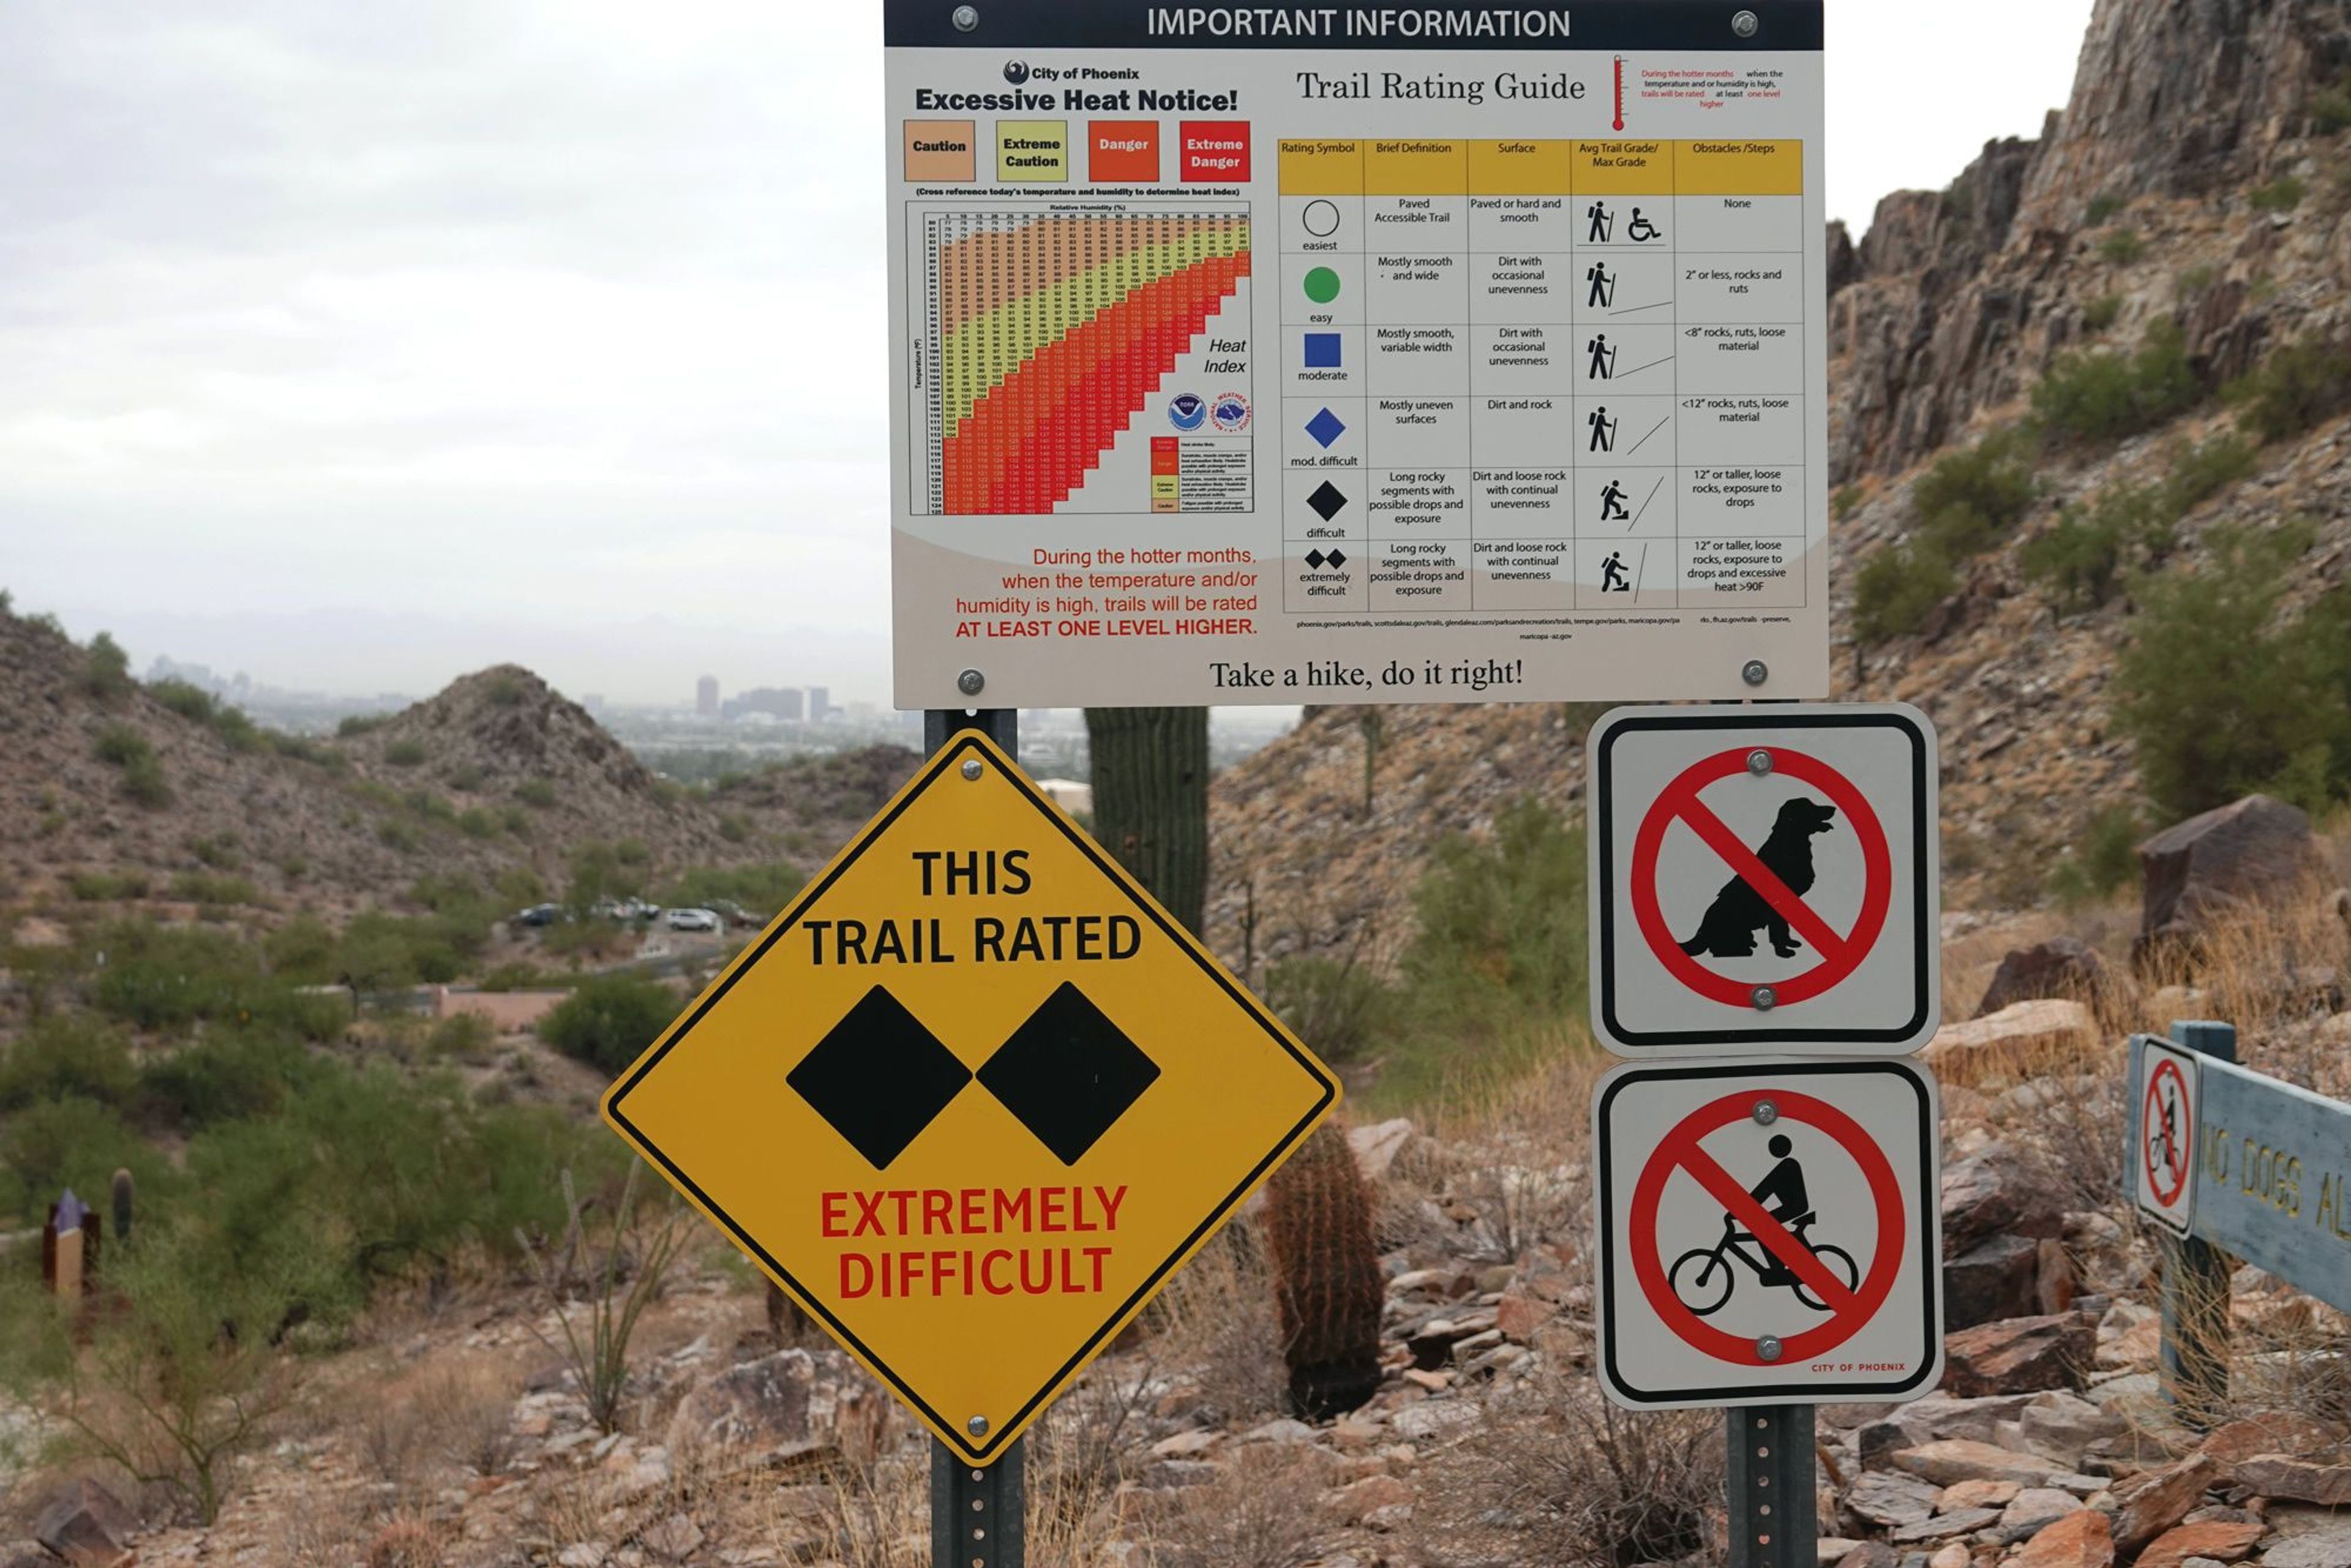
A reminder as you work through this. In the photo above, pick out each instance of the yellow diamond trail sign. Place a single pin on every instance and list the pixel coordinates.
(972, 1098)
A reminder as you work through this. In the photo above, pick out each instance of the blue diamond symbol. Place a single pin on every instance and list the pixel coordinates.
(1325, 428)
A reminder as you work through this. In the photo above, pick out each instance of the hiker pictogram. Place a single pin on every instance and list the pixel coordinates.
(1612, 502)
(1604, 430)
(1611, 574)
(1602, 365)
(1602, 292)
(1763, 879)
(1703, 1278)
(1600, 223)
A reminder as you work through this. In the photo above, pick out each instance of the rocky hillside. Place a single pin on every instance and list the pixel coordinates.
(2197, 178)
(112, 792)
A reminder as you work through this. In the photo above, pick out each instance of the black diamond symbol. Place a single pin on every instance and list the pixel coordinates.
(1326, 500)
(1338, 557)
(879, 1077)
(1068, 1074)
(1314, 558)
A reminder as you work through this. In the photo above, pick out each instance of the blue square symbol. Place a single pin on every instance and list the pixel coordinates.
(1325, 428)
(1321, 351)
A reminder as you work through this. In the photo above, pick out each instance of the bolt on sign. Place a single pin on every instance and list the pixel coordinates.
(972, 1098)
(1768, 1230)
(1765, 877)
(2164, 1081)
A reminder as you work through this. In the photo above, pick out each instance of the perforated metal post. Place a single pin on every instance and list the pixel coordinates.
(978, 1517)
(1771, 1487)
(2195, 1355)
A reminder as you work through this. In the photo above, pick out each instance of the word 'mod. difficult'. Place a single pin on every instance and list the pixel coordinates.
(968, 1265)
(1044, 938)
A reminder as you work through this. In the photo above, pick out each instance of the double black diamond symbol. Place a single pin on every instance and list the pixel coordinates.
(879, 1077)
(1317, 560)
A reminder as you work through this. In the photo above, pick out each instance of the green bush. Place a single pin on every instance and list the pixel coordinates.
(1500, 933)
(2221, 696)
(505, 690)
(2079, 561)
(631, 851)
(172, 977)
(608, 1021)
(67, 1054)
(2103, 205)
(209, 887)
(1896, 589)
(2195, 280)
(107, 887)
(536, 792)
(120, 745)
(466, 1036)
(2330, 108)
(2282, 194)
(2107, 395)
(398, 837)
(734, 827)
(1970, 500)
(229, 722)
(361, 724)
(106, 670)
(2121, 247)
(476, 824)
(221, 1078)
(142, 771)
(2296, 389)
(762, 889)
(2198, 473)
(2102, 861)
(466, 775)
(1333, 1005)
(71, 1142)
(301, 952)
(2102, 312)
(405, 753)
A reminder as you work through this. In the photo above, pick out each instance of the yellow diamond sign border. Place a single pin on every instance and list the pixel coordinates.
(968, 746)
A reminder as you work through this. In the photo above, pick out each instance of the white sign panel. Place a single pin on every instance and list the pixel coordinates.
(1769, 1232)
(1464, 351)
(2164, 1084)
(1764, 876)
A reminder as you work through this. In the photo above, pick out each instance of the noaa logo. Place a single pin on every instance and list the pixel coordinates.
(1187, 411)
(1016, 72)
(1230, 413)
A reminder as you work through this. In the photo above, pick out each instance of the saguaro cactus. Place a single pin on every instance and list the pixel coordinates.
(1151, 800)
(1327, 1283)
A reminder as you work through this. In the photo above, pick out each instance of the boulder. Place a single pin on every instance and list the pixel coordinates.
(1951, 1460)
(1376, 1146)
(1890, 1498)
(798, 1400)
(2019, 1355)
(2153, 1500)
(2324, 1544)
(1996, 1192)
(2033, 1508)
(2208, 867)
(2215, 1540)
(1999, 1277)
(2062, 968)
(677, 1536)
(2064, 1424)
(2300, 1480)
(2080, 1540)
(1943, 1526)
(88, 1526)
(1979, 1494)
(1870, 1554)
(2271, 1432)
(2020, 1033)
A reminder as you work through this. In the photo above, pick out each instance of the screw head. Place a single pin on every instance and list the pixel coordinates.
(1764, 997)
(971, 769)
(1746, 24)
(976, 1426)
(1766, 1113)
(965, 17)
(1755, 672)
(970, 682)
(1758, 762)
(1768, 1348)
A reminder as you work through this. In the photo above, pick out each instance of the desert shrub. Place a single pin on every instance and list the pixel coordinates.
(405, 753)
(2106, 394)
(217, 850)
(361, 724)
(397, 836)
(476, 824)
(2121, 247)
(142, 771)
(120, 745)
(302, 951)
(595, 876)
(63, 1055)
(1896, 589)
(608, 1021)
(2296, 389)
(2198, 473)
(1991, 483)
(466, 775)
(762, 888)
(538, 792)
(469, 1414)
(211, 887)
(2102, 861)
(2330, 108)
(2196, 279)
(106, 670)
(199, 705)
(2102, 312)
(515, 820)
(1247, 1516)
(503, 690)
(188, 700)
(2079, 561)
(621, 1284)
(2221, 695)
(466, 1036)
(1332, 1004)
(734, 827)
(2103, 205)
(2282, 194)
(106, 886)
(71, 1142)
(1500, 933)
(172, 977)
(631, 851)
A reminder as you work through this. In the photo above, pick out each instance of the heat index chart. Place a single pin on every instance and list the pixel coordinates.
(1048, 333)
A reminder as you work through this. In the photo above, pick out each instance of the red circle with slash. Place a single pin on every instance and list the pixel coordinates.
(1841, 953)
(2165, 1197)
(1850, 1311)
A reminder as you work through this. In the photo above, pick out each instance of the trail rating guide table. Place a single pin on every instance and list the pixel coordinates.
(1356, 354)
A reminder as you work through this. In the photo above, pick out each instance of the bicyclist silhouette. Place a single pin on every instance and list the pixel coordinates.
(1702, 1277)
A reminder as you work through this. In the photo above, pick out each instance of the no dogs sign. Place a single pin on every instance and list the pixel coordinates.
(1764, 876)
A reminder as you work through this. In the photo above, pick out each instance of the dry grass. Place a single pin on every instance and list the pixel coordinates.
(1259, 1513)
(468, 1412)
(1215, 1326)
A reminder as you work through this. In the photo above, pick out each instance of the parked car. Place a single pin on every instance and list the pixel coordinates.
(540, 914)
(610, 909)
(638, 909)
(693, 920)
(734, 913)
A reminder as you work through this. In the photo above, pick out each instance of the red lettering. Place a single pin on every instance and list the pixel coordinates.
(1010, 1206)
(833, 1204)
(988, 1273)
(975, 1210)
(869, 1215)
(1109, 1200)
(1098, 1254)
(904, 1198)
(938, 1211)
(864, 1284)
(1045, 1282)
(1050, 1209)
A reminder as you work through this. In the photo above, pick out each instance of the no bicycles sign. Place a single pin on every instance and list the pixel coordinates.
(1768, 1232)
(1764, 876)
(2165, 1089)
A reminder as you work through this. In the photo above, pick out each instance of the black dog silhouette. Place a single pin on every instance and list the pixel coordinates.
(1738, 911)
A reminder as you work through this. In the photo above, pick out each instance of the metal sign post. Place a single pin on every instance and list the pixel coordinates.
(978, 1516)
(1772, 1494)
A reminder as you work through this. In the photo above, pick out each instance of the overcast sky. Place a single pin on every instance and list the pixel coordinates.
(357, 347)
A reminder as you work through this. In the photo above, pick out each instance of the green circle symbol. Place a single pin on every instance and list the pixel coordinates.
(1322, 285)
